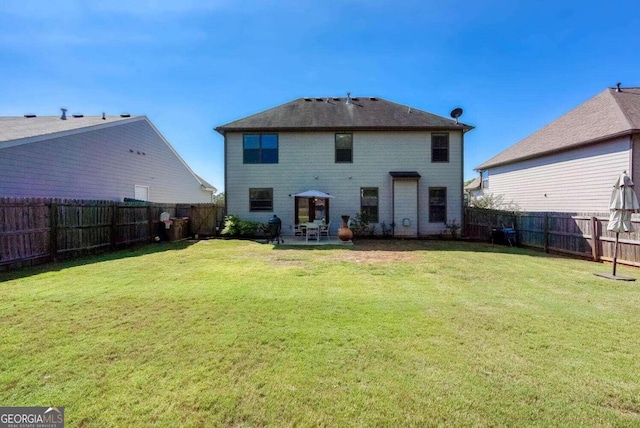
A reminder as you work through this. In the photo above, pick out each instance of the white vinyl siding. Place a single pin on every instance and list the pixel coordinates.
(575, 181)
(102, 163)
(307, 162)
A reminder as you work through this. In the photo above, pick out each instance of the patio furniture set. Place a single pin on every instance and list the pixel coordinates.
(312, 230)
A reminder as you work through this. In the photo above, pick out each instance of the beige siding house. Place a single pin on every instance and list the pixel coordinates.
(96, 157)
(571, 164)
(397, 164)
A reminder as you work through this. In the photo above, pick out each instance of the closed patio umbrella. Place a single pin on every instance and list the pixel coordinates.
(623, 203)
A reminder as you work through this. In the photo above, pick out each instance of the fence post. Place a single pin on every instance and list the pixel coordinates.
(53, 230)
(150, 222)
(546, 233)
(594, 239)
(114, 225)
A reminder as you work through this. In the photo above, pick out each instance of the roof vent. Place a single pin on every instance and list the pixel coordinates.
(64, 114)
(125, 115)
(336, 99)
(29, 116)
(373, 98)
(103, 116)
(348, 98)
(78, 115)
(319, 99)
(618, 87)
(307, 99)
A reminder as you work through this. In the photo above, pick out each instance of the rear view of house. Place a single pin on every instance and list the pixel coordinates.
(94, 157)
(571, 164)
(398, 165)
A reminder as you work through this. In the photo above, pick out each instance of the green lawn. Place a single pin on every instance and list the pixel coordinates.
(408, 333)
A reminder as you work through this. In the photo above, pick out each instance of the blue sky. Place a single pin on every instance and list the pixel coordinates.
(193, 65)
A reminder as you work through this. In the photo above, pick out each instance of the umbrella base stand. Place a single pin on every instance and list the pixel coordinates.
(616, 277)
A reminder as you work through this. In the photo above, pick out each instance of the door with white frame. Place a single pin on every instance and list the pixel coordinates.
(405, 208)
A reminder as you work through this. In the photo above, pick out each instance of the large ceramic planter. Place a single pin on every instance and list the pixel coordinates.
(344, 233)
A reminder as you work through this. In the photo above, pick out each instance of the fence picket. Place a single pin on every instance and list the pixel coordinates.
(579, 234)
(35, 230)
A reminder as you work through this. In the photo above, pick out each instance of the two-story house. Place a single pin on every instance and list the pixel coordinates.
(398, 164)
(94, 157)
(571, 163)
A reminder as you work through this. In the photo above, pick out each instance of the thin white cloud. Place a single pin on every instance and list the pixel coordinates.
(73, 9)
(160, 7)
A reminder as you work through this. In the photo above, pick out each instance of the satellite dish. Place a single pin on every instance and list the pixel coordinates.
(456, 113)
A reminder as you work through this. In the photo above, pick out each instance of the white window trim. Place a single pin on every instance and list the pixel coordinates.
(140, 186)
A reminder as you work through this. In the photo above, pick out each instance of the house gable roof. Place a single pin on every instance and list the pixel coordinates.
(358, 113)
(474, 185)
(17, 128)
(607, 115)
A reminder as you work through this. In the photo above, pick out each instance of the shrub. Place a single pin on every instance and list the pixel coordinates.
(493, 202)
(454, 228)
(361, 225)
(235, 226)
(387, 231)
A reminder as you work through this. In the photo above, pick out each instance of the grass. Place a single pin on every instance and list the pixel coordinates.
(237, 333)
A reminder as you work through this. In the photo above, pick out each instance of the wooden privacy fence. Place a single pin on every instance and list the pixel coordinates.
(34, 230)
(579, 234)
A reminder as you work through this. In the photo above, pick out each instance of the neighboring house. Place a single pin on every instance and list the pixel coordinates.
(572, 163)
(474, 188)
(397, 164)
(94, 157)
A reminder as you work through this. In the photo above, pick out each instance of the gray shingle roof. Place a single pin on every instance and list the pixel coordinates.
(607, 115)
(474, 185)
(206, 185)
(15, 128)
(363, 113)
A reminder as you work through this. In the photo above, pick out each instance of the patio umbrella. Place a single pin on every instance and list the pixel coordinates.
(623, 202)
(313, 194)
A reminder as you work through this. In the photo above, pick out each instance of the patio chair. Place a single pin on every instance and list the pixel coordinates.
(298, 230)
(313, 232)
(324, 230)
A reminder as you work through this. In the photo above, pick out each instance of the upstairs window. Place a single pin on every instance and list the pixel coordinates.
(344, 148)
(437, 204)
(260, 148)
(439, 147)
(261, 199)
(485, 179)
(369, 203)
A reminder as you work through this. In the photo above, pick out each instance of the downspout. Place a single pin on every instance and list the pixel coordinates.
(418, 208)
(631, 156)
(462, 213)
(226, 194)
(393, 205)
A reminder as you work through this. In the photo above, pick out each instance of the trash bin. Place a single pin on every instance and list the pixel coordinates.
(503, 236)
(179, 229)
